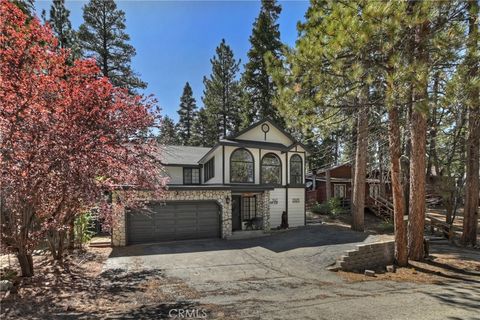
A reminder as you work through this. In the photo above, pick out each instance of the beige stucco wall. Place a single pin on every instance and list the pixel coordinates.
(296, 207)
(273, 135)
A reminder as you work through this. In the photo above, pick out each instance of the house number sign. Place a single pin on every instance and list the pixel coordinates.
(274, 201)
(295, 200)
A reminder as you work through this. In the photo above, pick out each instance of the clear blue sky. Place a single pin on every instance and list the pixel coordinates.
(176, 39)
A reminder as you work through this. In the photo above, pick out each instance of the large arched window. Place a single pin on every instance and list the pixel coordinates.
(271, 172)
(241, 166)
(296, 169)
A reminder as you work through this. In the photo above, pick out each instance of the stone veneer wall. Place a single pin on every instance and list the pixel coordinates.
(220, 196)
(263, 205)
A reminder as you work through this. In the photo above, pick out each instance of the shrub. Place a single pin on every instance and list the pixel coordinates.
(331, 207)
(321, 208)
(386, 226)
(83, 228)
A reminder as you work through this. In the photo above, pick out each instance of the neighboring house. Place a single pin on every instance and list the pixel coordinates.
(244, 182)
(340, 182)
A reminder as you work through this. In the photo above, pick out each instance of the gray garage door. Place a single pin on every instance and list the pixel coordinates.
(174, 221)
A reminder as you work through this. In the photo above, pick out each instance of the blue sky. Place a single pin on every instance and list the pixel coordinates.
(175, 40)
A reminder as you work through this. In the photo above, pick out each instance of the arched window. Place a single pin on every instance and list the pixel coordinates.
(241, 166)
(271, 172)
(296, 169)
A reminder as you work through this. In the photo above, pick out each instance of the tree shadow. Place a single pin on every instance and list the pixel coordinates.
(305, 237)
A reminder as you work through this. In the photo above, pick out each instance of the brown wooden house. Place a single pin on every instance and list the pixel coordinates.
(336, 182)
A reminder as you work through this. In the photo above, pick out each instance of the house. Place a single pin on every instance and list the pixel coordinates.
(336, 182)
(245, 182)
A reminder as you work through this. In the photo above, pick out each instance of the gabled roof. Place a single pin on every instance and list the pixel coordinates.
(234, 137)
(182, 155)
(256, 124)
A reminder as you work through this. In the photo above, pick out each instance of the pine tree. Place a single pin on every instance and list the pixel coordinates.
(188, 114)
(258, 85)
(168, 134)
(222, 92)
(202, 133)
(62, 28)
(103, 37)
(471, 212)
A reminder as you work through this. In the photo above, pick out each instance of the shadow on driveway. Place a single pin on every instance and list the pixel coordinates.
(305, 237)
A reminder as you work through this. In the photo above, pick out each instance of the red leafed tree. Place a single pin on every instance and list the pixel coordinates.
(67, 136)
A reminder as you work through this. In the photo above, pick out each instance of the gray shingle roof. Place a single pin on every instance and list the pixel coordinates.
(182, 154)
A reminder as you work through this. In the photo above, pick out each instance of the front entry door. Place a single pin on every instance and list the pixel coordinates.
(236, 220)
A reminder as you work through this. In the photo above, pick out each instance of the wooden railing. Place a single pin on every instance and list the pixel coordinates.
(381, 207)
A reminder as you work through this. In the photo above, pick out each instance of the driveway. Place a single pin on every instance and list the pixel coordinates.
(283, 276)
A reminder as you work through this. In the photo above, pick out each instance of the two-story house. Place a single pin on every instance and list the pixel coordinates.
(244, 182)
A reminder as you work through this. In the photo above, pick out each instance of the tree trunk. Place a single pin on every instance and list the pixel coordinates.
(328, 185)
(71, 235)
(470, 213)
(26, 263)
(395, 146)
(358, 203)
(418, 134)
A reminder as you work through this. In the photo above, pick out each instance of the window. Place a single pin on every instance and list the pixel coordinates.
(209, 169)
(249, 208)
(191, 176)
(296, 169)
(271, 172)
(241, 166)
(339, 191)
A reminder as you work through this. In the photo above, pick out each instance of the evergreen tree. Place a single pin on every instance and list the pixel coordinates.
(103, 37)
(188, 114)
(258, 85)
(222, 92)
(62, 27)
(202, 133)
(168, 133)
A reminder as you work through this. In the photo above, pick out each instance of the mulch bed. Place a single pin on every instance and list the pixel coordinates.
(78, 289)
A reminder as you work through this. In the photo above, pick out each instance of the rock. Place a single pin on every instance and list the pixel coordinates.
(370, 273)
(5, 285)
(391, 268)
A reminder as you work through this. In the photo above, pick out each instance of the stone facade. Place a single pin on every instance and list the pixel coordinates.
(264, 208)
(219, 196)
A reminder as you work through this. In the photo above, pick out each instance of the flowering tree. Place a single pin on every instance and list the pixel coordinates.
(67, 136)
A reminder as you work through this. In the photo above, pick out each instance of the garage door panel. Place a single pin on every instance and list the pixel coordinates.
(174, 221)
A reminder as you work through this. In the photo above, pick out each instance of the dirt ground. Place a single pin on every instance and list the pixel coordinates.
(373, 224)
(78, 289)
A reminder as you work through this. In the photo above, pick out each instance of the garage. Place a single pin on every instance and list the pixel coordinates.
(174, 220)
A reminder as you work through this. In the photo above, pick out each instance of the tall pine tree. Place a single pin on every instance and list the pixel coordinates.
(204, 129)
(258, 85)
(62, 27)
(168, 133)
(187, 113)
(103, 37)
(222, 93)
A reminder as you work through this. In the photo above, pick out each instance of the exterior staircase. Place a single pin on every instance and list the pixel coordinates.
(381, 207)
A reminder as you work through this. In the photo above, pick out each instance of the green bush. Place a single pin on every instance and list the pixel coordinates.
(386, 226)
(8, 273)
(331, 207)
(321, 208)
(83, 228)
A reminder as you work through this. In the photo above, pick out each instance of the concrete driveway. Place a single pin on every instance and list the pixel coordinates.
(283, 276)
